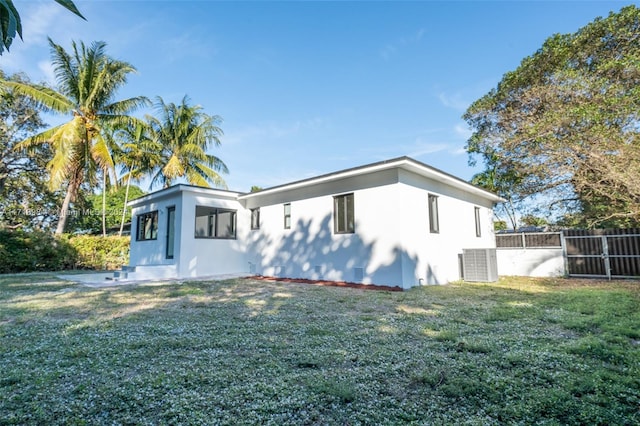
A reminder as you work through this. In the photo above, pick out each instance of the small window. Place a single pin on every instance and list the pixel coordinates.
(171, 231)
(255, 218)
(147, 226)
(343, 214)
(478, 227)
(287, 216)
(212, 222)
(434, 226)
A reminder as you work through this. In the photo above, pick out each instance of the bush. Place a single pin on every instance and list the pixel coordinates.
(23, 251)
(97, 252)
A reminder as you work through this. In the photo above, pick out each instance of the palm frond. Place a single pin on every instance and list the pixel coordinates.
(43, 97)
(126, 106)
(65, 69)
(68, 4)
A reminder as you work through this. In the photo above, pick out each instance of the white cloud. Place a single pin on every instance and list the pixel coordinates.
(418, 148)
(421, 147)
(46, 68)
(389, 49)
(38, 21)
(462, 130)
(455, 101)
(188, 45)
(271, 130)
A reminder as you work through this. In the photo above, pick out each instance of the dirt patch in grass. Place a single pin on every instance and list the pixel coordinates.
(328, 283)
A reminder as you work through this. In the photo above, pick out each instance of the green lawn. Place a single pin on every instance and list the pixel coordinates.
(520, 351)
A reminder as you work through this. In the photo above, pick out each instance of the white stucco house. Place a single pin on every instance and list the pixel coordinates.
(398, 222)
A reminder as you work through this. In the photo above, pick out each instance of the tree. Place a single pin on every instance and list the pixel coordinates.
(186, 133)
(25, 200)
(87, 81)
(138, 154)
(90, 207)
(10, 22)
(562, 131)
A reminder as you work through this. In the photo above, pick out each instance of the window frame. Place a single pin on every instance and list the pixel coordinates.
(212, 225)
(348, 224)
(287, 216)
(255, 218)
(434, 221)
(141, 220)
(478, 223)
(170, 247)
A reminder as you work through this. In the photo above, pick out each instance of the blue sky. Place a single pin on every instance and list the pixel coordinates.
(306, 88)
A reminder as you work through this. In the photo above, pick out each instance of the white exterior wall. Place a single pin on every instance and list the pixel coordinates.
(212, 256)
(392, 244)
(531, 262)
(432, 258)
(310, 249)
(151, 254)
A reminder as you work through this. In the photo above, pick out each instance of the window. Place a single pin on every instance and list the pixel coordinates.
(212, 222)
(287, 216)
(147, 226)
(171, 231)
(343, 214)
(478, 227)
(255, 218)
(434, 226)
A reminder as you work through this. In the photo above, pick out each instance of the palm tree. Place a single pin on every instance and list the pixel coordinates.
(186, 133)
(87, 82)
(138, 154)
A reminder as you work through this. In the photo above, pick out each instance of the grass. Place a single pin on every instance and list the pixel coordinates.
(520, 351)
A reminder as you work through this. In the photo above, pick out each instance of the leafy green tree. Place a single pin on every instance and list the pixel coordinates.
(25, 199)
(87, 80)
(500, 225)
(11, 25)
(186, 133)
(89, 210)
(562, 131)
(532, 220)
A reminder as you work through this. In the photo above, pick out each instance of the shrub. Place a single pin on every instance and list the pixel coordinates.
(97, 252)
(23, 251)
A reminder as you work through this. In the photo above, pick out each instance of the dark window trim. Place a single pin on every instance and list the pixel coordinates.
(140, 219)
(255, 213)
(343, 228)
(287, 216)
(166, 252)
(478, 224)
(216, 211)
(434, 222)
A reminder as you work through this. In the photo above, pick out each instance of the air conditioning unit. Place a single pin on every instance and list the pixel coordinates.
(480, 265)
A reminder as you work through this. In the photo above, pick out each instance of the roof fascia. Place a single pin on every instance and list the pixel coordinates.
(166, 192)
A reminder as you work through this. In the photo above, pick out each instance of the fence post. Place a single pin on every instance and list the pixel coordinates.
(605, 256)
(565, 257)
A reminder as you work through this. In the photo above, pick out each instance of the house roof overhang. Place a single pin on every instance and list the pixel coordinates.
(405, 163)
(176, 189)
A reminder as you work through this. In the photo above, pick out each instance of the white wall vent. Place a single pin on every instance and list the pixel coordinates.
(480, 265)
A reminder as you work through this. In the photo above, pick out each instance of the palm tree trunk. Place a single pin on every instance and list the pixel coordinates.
(72, 190)
(126, 198)
(104, 202)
